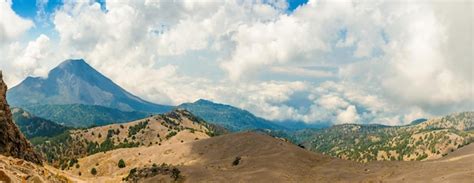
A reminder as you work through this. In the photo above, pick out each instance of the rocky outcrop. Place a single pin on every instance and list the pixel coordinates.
(12, 141)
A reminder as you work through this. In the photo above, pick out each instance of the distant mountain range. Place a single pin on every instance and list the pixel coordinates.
(76, 82)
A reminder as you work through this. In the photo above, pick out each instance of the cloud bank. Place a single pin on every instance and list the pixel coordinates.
(326, 61)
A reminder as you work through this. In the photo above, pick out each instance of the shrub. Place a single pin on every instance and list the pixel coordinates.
(133, 171)
(132, 130)
(121, 163)
(93, 171)
(175, 174)
(171, 134)
(72, 162)
(236, 161)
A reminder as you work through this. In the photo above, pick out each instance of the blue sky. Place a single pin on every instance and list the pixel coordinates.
(312, 61)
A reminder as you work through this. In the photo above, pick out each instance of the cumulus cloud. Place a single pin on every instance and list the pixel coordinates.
(349, 115)
(34, 53)
(11, 25)
(417, 67)
(395, 62)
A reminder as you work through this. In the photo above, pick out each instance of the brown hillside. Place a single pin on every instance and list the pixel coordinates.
(266, 159)
(176, 127)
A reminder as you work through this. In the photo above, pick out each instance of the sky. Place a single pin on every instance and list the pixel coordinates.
(351, 61)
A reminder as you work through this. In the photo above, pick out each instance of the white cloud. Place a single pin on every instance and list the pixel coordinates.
(332, 102)
(418, 68)
(395, 61)
(34, 53)
(299, 71)
(11, 25)
(267, 43)
(349, 115)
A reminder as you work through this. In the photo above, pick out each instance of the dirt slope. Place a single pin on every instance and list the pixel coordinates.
(16, 170)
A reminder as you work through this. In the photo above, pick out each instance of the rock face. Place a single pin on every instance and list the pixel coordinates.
(12, 141)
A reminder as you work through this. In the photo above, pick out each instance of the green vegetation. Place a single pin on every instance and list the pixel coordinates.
(175, 173)
(236, 161)
(133, 130)
(171, 134)
(32, 126)
(137, 174)
(377, 142)
(93, 171)
(89, 114)
(121, 163)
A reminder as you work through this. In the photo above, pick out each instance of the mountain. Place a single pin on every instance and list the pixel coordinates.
(32, 126)
(177, 126)
(227, 116)
(76, 82)
(12, 141)
(431, 139)
(80, 115)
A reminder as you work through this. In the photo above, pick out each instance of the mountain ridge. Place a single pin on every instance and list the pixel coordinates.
(227, 116)
(32, 126)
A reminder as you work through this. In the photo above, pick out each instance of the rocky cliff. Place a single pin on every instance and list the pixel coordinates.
(12, 141)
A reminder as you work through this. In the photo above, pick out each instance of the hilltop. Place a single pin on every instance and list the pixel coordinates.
(229, 117)
(178, 126)
(32, 126)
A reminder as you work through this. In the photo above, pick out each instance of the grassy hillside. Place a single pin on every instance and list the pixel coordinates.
(32, 126)
(430, 139)
(178, 126)
(79, 115)
(252, 157)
